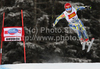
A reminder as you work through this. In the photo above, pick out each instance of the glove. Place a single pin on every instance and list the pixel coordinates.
(53, 25)
(88, 7)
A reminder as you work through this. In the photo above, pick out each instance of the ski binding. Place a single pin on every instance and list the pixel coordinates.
(89, 44)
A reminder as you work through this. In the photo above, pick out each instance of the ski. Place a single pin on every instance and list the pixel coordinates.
(83, 45)
(89, 46)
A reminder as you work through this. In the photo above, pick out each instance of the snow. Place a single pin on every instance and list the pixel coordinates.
(52, 66)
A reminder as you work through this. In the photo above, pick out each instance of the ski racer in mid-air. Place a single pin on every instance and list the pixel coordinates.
(70, 14)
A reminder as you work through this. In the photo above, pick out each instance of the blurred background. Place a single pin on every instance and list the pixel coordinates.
(41, 14)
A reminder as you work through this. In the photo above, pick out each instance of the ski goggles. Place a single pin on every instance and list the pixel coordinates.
(68, 9)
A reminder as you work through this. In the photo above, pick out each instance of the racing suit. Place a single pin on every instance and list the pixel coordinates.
(74, 22)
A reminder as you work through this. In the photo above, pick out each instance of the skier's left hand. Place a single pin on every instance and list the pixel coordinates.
(88, 7)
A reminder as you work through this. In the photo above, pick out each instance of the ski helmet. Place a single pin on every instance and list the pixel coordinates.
(67, 5)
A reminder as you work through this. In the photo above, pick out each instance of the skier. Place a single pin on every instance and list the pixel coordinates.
(70, 14)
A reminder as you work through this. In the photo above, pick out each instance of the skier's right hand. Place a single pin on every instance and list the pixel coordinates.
(53, 25)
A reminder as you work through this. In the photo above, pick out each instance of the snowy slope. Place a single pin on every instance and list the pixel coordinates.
(52, 66)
